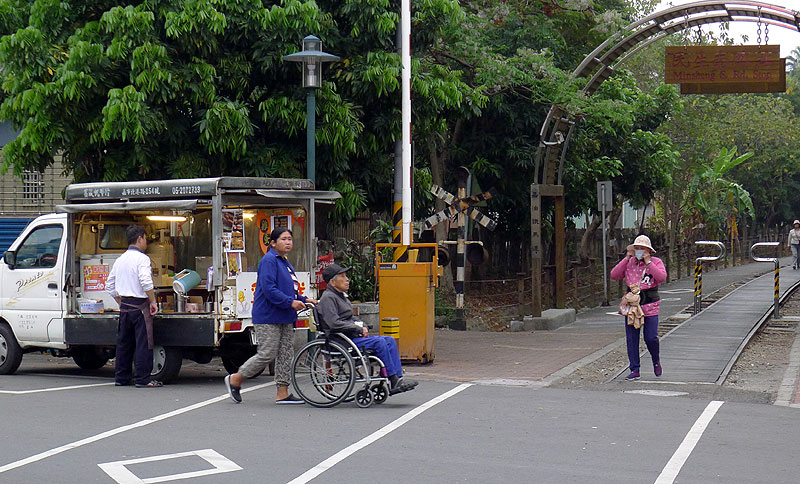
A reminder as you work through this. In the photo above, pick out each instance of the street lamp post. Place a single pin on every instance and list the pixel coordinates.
(311, 58)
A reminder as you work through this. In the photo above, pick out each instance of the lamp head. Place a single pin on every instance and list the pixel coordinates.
(312, 58)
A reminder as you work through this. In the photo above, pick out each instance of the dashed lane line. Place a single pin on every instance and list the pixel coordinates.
(673, 467)
(352, 449)
(119, 430)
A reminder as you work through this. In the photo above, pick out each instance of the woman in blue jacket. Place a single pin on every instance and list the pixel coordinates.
(274, 312)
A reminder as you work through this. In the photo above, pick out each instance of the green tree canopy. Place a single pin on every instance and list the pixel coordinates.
(189, 88)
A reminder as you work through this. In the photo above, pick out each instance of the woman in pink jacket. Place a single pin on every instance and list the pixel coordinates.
(639, 267)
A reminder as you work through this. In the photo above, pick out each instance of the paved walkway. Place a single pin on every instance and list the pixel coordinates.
(540, 357)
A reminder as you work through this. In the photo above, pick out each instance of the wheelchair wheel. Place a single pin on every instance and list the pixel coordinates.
(380, 393)
(323, 373)
(364, 398)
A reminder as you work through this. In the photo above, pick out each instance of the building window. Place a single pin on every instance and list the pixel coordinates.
(32, 188)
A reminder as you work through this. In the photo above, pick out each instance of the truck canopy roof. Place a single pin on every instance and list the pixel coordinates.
(131, 193)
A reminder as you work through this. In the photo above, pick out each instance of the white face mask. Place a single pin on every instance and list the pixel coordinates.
(639, 253)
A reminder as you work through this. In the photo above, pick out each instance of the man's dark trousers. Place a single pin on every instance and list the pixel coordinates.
(132, 345)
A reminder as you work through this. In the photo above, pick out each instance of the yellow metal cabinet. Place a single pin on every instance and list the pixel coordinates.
(407, 292)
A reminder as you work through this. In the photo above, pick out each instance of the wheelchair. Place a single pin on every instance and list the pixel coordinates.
(331, 369)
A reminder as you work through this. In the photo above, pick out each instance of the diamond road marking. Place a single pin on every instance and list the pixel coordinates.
(120, 473)
(657, 393)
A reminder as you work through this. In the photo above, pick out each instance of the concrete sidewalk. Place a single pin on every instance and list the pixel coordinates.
(540, 357)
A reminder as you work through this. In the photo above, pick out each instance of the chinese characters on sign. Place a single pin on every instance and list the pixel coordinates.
(94, 277)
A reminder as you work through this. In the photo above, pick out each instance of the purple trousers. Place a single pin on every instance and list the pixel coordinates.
(650, 339)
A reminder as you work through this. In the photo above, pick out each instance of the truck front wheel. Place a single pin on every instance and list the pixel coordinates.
(167, 362)
(10, 352)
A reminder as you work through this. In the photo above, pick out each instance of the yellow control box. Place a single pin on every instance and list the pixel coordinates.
(407, 291)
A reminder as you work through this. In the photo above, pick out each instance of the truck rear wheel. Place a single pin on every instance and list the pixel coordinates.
(167, 362)
(89, 358)
(235, 357)
(10, 352)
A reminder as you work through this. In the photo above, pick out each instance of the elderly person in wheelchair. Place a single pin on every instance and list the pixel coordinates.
(336, 310)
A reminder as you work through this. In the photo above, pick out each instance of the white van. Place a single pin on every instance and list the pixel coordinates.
(52, 278)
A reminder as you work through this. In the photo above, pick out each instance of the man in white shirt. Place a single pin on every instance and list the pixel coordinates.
(131, 284)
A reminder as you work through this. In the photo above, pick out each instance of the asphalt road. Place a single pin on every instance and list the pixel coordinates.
(441, 432)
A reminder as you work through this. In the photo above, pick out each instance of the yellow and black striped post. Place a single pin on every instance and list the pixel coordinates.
(698, 285)
(390, 327)
(774, 260)
(400, 253)
(777, 289)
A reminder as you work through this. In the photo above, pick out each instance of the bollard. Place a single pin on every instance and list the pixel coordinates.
(776, 297)
(391, 327)
(698, 286)
(698, 270)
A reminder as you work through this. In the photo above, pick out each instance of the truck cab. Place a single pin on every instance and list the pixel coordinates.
(205, 239)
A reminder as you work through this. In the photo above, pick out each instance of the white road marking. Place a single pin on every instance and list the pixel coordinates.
(120, 473)
(657, 393)
(509, 382)
(677, 291)
(352, 449)
(673, 467)
(54, 389)
(119, 430)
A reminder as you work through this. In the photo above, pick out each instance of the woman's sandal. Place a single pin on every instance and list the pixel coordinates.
(152, 384)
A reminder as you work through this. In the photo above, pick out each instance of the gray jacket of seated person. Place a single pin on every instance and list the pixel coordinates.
(336, 310)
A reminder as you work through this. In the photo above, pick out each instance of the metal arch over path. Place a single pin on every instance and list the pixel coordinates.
(599, 65)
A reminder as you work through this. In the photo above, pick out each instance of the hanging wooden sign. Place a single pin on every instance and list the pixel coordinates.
(725, 69)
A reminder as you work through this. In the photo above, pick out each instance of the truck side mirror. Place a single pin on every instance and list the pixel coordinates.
(10, 258)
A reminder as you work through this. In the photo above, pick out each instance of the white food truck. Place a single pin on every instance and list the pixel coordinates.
(205, 239)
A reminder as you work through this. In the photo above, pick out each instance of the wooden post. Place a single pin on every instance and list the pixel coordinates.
(536, 251)
(560, 252)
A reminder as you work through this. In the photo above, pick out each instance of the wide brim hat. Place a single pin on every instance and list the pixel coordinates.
(332, 271)
(796, 222)
(643, 241)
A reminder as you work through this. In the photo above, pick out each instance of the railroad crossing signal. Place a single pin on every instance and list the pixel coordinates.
(458, 206)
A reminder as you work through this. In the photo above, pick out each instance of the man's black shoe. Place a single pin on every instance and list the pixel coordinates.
(403, 385)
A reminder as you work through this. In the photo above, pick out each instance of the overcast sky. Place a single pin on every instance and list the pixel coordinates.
(788, 39)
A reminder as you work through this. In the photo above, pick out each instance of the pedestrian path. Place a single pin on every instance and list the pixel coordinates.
(542, 357)
(703, 349)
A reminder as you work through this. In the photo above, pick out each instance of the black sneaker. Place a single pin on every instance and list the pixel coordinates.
(403, 385)
(232, 390)
(290, 400)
